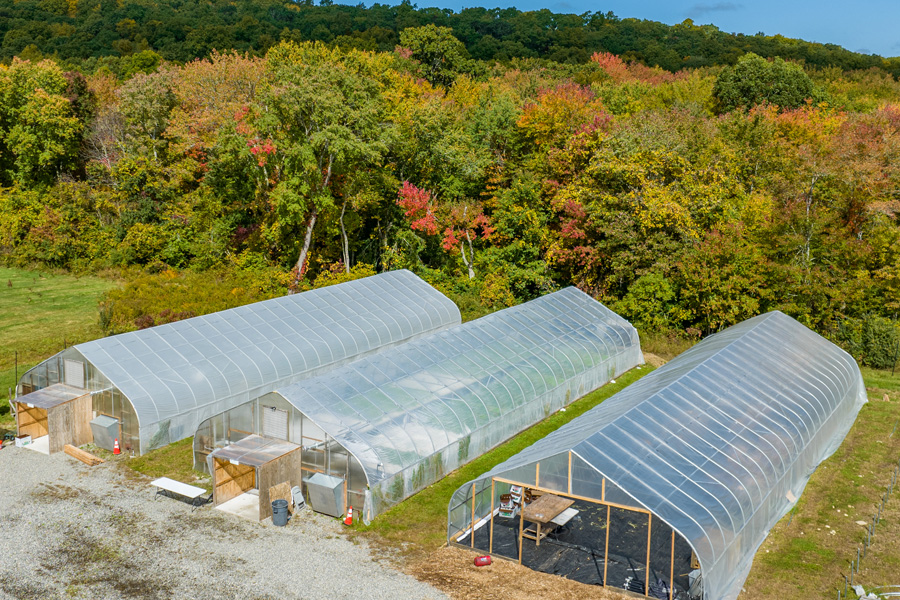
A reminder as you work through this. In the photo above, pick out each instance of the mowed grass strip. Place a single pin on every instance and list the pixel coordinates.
(38, 313)
(807, 556)
(175, 461)
(419, 524)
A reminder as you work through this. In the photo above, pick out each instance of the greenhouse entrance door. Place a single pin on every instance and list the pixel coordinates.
(245, 473)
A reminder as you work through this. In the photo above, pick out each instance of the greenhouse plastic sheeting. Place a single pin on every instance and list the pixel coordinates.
(413, 413)
(718, 443)
(178, 374)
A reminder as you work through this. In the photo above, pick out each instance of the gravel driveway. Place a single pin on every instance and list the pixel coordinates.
(71, 531)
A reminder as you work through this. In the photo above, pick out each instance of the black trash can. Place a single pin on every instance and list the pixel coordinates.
(279, 513)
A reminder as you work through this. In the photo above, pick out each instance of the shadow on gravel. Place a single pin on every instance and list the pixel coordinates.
(87, 562)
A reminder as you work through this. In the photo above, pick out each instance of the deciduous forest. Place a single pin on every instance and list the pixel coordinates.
(217, 154)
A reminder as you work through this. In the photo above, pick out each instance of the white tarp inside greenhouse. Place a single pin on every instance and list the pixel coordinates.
(162, 382)
(718, 443)
(414, 413)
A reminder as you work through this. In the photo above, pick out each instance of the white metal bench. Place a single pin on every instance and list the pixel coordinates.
(166, 487)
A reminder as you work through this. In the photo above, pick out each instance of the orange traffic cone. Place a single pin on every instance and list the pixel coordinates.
(116, 447)
(348, 520)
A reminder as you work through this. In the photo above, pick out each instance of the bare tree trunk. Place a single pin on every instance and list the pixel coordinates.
(345, 243)
(469, 262)
(301, 262)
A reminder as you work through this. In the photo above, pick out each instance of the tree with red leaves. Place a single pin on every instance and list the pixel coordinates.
(462, 223)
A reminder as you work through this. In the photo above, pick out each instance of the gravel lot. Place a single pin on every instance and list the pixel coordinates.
(71, 531)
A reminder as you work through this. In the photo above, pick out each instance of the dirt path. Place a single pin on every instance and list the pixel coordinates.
(453, 571)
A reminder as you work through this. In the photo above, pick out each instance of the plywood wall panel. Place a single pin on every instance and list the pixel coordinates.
(284, 469)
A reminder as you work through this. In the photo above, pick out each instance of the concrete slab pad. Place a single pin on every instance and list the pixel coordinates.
(41, 444)
(245, 506)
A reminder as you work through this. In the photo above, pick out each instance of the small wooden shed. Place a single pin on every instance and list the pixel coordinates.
(59, 411)
(254, 463)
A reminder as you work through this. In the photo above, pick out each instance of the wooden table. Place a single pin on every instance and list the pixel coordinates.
(542, 511)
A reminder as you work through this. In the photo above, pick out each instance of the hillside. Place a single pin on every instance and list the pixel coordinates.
(100, 32)
(687, 201)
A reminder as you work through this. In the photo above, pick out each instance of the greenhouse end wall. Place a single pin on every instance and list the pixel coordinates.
(106, 399)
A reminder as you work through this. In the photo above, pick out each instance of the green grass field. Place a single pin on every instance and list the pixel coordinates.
(806, 555)
(39, 312)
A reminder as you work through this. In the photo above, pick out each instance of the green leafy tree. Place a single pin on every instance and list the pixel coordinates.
(651, 303)
(40, 128)
(441, 55)
(318, 121)
(146, 101)
(722, 280)
(755, 80)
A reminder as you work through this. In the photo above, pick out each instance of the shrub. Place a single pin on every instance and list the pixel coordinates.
(873, 341)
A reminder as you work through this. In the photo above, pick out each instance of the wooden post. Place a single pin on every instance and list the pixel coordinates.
(647, 582)
(491, 539)
(570, 472)
(603, 489)
(537, 474)
(606, 552)
(672, 567)
(473, 515)
(521, 528)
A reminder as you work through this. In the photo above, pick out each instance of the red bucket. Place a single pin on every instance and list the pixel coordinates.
(482, 561)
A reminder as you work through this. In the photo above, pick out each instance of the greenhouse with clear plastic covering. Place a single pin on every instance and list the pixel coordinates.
(152, 387)
(390, 424)
(669, 487)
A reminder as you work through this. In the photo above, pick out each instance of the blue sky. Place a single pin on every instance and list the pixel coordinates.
(868, 26)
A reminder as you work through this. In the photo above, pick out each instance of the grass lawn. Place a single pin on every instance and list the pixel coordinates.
(175, 461)
(419, 524)
(807, 556)
(38, 313)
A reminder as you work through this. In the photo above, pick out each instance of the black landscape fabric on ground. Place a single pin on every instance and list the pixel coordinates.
(576, 551)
